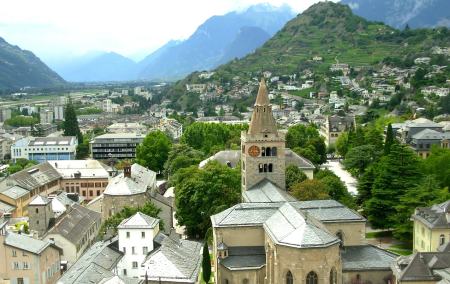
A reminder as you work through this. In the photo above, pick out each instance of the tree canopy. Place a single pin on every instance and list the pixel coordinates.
(181, 156)
(200, 193)
(153, 152)
(307, 142)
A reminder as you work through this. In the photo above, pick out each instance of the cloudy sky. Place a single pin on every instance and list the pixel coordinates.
(63, 28)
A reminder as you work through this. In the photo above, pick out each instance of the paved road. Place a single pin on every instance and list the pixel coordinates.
(338, 169)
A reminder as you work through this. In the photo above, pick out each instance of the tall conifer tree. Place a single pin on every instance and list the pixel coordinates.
(70, 124)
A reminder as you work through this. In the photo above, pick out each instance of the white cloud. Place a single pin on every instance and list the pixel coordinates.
(55, 28)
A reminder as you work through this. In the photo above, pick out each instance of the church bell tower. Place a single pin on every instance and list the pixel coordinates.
(262, 146)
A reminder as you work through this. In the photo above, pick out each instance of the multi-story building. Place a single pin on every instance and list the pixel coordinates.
(46, 116)
(431, 227)
(107, 105)
(27, 260)
(58, 111)
(172, 127)
(41, 149)
(423, 141)
(5, 113)
(87, 178)
(336, 125)
(18, 189)
(115, 145)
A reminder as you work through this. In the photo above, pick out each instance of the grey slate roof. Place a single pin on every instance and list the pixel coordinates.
(138, 220)
(5, 208)
(434, 216)
(245, 214)
(13, 192)
(94, 265)
(293, 158)
(35, 176)
(266, 191)
(26, 243)
(421, 266)
(244, 258)
(366, 257)
(74, 225)
(430, 134)
(141, 180)
(289, 227)
(175, 260)
(329, 211)
(39, 200)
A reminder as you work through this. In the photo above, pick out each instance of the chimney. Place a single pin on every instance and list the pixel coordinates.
(127, 171)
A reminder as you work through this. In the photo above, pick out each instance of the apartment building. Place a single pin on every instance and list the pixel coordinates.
(41, 149)
(116, 145)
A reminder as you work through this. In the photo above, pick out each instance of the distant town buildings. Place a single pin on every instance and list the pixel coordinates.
(334, 126)
(127, 127)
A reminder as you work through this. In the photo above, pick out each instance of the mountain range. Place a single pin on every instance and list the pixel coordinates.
(399, 13)
(216, 41)
(21, 68)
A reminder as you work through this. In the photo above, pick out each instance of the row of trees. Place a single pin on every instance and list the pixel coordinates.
(392, 180)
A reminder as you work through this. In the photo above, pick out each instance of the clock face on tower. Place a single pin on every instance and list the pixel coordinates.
(254, 151)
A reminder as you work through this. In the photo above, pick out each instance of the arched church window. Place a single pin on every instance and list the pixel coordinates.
(333, 276)
(261, 168)
(263, 151)
(289, 278)
(274, 151)
(311, 278)
(270, 168)
(265, 168)
(268, 152)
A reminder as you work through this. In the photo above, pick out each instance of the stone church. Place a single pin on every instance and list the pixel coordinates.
(272, 238)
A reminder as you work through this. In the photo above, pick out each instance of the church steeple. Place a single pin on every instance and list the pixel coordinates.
(262, 118)
(263, 155)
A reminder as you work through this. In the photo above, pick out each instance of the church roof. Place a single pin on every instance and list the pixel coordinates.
(366, 257)
(140, 181)
(290, 227)
(262, 118)
(266, 191)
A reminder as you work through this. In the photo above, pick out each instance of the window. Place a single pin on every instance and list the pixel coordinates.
(333, 276)
(289, 278)
(125, 272)
(243, 165)
(37, 210)
(274, 151)
(128, 235)
(143, 235)
(263, 151)
(261, 168)
(144, 250)
(14, 253)
(25, 265)
(37, 222)
(311, 278)
(135, 265)
(91, 193)
(441, 240)
(226, 281)
(124, 250)
(245, 281)
(133, 251)
(16, 265)
(268, 152)
(20, 281)
(265, 168)
(270, 168)
(98, 192)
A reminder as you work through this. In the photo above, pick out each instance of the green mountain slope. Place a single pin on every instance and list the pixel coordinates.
(21, 68)
(333, 32)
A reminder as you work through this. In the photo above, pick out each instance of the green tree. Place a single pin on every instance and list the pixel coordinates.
(360, 157)
(389, 139)
(396, 173)
(438, 162)
(206, 263)
(112, 222)
(427, 193)
(153, 152)
(181, 156)
(307, 142)
(70, 124)
(374, 136)
(83, 149)
(200, 193)
(342, 144)
(310, 189)
(294, 175)
(335, 187)
(365, 184)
